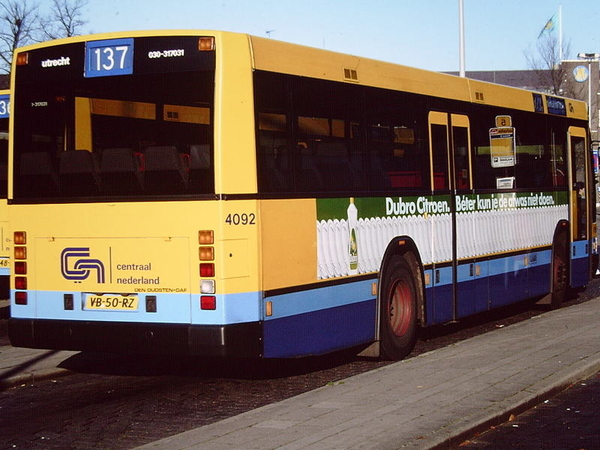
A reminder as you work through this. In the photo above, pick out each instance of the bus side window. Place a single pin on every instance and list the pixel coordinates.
(461, 157)
(274, 174)
(558, 158)
(439, 145)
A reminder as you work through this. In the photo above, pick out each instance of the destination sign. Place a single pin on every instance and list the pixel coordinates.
(115, 58)
(109, 58)
(4, 106)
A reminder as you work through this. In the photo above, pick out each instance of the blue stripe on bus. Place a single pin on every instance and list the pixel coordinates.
(171, 308)
(501, 281)
(333, 317)
(295, 303)
(580, 263)
(231, 308)
(4, 271)
(320, 331)
(580, 249)
(438, 308)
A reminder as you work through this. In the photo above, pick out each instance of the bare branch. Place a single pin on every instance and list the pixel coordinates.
(19, 22)
(65, 19)
(547, 64)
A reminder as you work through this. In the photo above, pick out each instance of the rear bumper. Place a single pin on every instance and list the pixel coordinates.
(235, 340)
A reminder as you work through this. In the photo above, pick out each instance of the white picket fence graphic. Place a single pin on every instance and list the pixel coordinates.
(478, 233)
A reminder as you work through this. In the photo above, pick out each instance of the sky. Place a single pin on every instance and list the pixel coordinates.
(417, 33)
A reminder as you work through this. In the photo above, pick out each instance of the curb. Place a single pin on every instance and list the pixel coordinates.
(467, 427)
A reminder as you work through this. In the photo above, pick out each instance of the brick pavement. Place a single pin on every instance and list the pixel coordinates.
(435, 400)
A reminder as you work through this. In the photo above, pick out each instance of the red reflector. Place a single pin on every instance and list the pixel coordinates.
(21, 268)
(20, 283)
(208, 302)
(207, 270)
(21, 298)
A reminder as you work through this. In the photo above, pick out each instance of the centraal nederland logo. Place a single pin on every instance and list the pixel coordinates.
(76, 264)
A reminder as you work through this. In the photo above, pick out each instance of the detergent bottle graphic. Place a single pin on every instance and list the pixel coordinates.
(352, 241)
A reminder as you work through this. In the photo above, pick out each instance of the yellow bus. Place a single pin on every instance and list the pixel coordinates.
(214, 193)
(4, 236)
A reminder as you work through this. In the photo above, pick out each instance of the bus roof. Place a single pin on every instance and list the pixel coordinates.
(277, 56)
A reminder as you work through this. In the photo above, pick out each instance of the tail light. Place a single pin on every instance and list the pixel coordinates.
(206, 252)
(20, 267)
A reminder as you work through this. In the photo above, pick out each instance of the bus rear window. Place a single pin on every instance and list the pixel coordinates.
(133, 135)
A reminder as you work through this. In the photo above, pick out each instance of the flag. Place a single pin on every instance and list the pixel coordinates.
(548, 27)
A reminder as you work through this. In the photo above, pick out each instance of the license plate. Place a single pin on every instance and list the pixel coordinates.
(111, 302)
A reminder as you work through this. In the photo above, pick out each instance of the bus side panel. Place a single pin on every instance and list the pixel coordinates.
(539, 273)
(508, 280)
(439, 307)
(580, 260)
(289, 243)
(473, 289)
(320, 321)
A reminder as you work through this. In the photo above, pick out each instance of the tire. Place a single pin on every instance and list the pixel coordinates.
(398, 309)
(560, 270)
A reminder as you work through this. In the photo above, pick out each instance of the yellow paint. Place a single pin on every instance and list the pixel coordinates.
(4, 234)
(83, 124)
(235, 155)
(289, 242)
(143, 246)
(4, 224)
(276, 56)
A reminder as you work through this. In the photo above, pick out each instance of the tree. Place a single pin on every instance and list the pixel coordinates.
(65, 19)
(547, 65)
(19, 24)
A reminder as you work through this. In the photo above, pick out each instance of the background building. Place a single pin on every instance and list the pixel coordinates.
(580, 79)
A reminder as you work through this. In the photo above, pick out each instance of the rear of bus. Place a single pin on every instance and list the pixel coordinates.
(120, 240)
(4, 249)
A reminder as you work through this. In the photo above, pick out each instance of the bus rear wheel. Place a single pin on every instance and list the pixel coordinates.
(398, 310)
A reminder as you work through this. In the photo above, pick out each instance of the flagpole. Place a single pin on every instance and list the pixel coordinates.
(461, 38)
(560, 36)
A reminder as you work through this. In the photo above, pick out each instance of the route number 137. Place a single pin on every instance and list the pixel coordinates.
(105, 57)
(109, 58)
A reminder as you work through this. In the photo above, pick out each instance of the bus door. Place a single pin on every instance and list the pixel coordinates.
(440, 295)
(459, 281)
(581, 185)
(471, 291)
